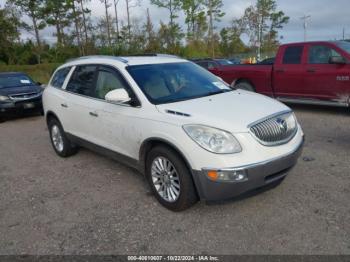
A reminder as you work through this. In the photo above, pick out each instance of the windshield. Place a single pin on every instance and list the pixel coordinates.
(15, 81)
(174, 82)
(224, 62)
(344, 45)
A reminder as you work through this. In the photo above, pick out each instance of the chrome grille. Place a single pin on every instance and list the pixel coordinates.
(20, 97)
(275, 130)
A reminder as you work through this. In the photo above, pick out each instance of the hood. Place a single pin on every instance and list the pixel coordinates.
(8, 91)
(232, 111)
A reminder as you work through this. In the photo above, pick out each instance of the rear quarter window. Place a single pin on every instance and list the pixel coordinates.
(59, 77)
(293, 55)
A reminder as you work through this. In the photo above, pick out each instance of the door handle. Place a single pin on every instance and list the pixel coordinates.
(280, 70)
(94, 114)
(64, 105)
(311, 70)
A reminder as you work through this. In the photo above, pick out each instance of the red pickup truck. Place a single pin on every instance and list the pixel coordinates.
(308, 73)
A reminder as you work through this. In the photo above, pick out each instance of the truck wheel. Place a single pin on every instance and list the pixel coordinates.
(245, 86)
(62, 146)
(170, 179)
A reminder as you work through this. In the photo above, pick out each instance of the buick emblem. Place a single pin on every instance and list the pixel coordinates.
(282, 124)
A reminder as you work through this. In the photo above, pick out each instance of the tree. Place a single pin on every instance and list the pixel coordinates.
(174, 30)
(215, 14)
(9, 35)
(130, 4)
(262, 22)
(108, 25)
(75, 15)
(84, 11)
(34, 10)
(151, 44)
(193, 10)
(58, 15)
(116, 2)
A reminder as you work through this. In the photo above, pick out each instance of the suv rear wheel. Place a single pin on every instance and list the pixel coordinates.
(170, 179)
(61, 144)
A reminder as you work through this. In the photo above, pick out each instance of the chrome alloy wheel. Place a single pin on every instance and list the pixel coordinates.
(57, 138)
(165, 179)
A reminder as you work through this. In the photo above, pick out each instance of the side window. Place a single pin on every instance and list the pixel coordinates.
(108, 80)
(320, 54)
(203, 64)
(82, 80)
(293, 55)
(211, 65)
(59, 77)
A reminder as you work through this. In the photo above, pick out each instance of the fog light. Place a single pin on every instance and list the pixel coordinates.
(228, 176)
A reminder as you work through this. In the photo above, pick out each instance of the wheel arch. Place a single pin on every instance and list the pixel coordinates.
(51, 114)
(150, 143)
(243, 80)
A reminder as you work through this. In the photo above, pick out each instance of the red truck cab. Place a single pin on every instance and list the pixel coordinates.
(308, 73)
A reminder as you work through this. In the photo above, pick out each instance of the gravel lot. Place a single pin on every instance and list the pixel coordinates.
(89, 204)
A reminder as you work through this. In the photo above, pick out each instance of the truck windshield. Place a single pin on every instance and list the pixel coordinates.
(344, 45)
(174, 82)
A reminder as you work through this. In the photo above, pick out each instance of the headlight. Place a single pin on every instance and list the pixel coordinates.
(4, 98)
(212, 139)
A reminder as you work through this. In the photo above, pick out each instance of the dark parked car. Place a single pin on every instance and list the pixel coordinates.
(209, 63)
(235, 61)
(18, 92)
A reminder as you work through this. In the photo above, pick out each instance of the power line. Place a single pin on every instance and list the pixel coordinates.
(305, 24)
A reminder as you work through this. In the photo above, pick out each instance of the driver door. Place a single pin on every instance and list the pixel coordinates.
(114, 124)
(323, 80)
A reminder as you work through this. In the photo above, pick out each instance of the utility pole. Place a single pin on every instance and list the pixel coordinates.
(343, 33)
(305, 24)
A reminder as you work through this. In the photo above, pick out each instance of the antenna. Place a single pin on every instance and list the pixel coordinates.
(305, 24)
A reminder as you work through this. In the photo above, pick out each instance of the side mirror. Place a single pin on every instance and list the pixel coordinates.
(339, 60)
(118, 96)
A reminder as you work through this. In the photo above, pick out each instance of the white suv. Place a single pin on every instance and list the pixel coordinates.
(192, 135)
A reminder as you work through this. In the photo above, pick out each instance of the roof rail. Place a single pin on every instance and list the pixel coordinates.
(154, 54)
(100, 56)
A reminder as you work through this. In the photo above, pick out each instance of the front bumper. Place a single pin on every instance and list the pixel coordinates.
(258, 175)
(15, 106)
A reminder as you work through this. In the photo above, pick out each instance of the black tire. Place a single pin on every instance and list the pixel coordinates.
(188, 195)
(245, 86)
(68, 148)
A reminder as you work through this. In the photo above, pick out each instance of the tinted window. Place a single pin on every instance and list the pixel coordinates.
(344, 45)
(203, 64)
(293, 55)
(108, 80)
(212, 65)
(82, 80)
(59, 77)
(8, 80)
(173, 82)
(224, 62)
(320, 54)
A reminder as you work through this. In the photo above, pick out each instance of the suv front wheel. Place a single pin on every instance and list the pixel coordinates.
(170, 179)
(61, 144)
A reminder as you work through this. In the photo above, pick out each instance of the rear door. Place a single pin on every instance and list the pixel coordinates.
(288, 70)
(323, 80)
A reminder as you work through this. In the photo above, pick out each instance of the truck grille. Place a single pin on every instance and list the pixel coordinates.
(275, 130)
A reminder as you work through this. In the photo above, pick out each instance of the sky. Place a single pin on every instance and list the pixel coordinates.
(328, 17)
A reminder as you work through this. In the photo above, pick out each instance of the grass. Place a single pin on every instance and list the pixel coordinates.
(39, 73)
